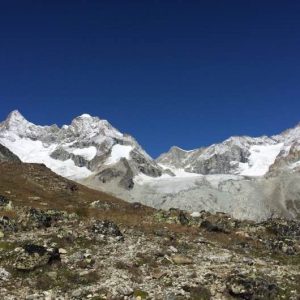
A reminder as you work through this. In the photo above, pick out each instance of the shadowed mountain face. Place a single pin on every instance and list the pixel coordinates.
(250, 178)
(7, 155)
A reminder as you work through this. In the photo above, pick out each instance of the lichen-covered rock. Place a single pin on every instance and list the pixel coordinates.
(106, 228)
(283, 228)
(3, 200)
(33, 256)
(4, 275)
(209, 226)
(5, 203)
(7, 224)
(251, 287)
(286, 246)
(43, 218)
(173, 216)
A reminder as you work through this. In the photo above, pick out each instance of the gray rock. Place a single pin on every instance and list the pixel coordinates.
(245, 287)
(4, 275)
(107, 228)
(7, 155)
(35, 256)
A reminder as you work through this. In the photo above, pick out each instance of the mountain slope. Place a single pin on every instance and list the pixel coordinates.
(238, 155)
(87, 146)
(61, 240)
(251, 178)
(35, 184)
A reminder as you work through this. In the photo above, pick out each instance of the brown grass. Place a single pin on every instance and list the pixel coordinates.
(34, 185)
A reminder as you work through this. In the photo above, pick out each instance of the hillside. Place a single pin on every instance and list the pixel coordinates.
(61, 240)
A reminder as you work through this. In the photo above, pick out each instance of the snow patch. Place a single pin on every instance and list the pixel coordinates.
(87, 153)
(260, 159)
(30, 151)
(118, 152)
(87, 116)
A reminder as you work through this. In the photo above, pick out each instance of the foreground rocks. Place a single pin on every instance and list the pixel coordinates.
(170, 255)
(251, 287)
(31, 256)
(106, 229)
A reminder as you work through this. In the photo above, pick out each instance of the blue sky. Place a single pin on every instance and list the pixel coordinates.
(186, 73)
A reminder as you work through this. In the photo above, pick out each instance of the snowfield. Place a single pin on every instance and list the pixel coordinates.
(260, 159)
(87, 153)
(30, 151)
(118, 152)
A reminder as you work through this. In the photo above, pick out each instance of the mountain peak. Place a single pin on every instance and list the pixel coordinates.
(15, 115)
(15, 120)
(85, 116)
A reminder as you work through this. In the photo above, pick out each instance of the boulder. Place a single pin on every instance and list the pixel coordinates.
(106, 228)
(32, 256)
(250, 287)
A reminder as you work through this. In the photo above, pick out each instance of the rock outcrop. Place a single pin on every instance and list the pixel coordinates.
(84, 148)
(7, 155)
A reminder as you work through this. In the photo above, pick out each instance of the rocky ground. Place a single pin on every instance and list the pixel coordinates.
(50, 254)
(96, 247)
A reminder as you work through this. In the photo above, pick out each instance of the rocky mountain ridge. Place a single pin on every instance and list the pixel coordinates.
(242, 155)
(251, 178)
(87, 146)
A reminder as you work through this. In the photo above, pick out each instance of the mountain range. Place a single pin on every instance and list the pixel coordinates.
(250, 178)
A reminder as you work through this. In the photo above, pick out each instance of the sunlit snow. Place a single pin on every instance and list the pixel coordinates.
(36, 152)
(260, 159)
(87, 153)
(118, 152)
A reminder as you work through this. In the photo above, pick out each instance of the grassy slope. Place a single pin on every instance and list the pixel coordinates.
(34, 185)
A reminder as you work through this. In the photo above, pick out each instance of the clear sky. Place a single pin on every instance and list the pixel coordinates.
(186, 73)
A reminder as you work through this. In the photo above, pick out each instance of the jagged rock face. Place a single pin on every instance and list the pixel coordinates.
(250, 178)
(219, 163)
(7, 155)
(287, 161)
(120, 172)
(221, 158)
(84, 148)
(177, 157)
(238, 155)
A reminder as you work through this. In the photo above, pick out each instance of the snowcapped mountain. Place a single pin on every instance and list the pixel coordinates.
(238, 155)
(250, 178)
(87, 147)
